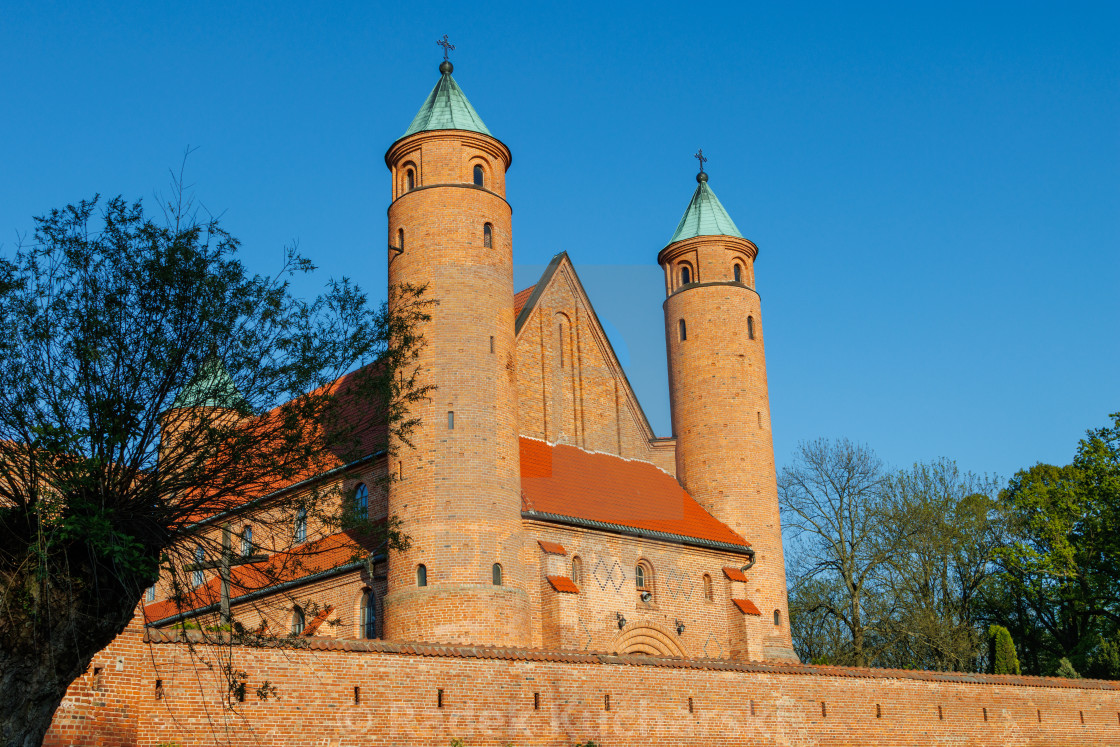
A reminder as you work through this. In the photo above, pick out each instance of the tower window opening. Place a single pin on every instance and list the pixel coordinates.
(778, 618)
(491, 343)
(488, 235)
(298, 620)
(707, 587)
(247, 541)
(683, 330)
(369, 614)
(686, 275)
(421, 575)
(738, 273)
(400, 239)
(410, 180)
(450, 419)
(361, 502)
(478, 175)
(750, 327)
(577, 570)
(300, 532)
(199, 556)
(497, 574)
(759, 416)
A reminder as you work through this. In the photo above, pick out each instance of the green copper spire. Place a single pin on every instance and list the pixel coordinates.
(446, 108)
(212, 386)
(705, 215)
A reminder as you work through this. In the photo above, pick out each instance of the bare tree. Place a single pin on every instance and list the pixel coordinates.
(834, 511)
(151, 390)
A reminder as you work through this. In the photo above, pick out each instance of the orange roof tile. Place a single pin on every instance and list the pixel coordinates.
(746, 606)
(568, 482)
(552, 548)
(521, 298)
(735, 574)
(563, 584)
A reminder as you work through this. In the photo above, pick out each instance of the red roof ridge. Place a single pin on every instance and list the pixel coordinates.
(635, 460)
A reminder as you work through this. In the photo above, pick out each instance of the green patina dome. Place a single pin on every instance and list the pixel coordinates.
(212, 386)
(705, 216)
(446, 108)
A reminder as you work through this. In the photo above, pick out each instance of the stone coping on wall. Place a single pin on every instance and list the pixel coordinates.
(454, 651)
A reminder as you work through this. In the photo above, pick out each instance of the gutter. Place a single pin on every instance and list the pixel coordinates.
(602, 526)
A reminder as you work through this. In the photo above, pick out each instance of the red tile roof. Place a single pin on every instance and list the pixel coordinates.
(746, 606)
(569, 482)
(552, 548)
(564, 584)
(521, 298)
(735, 574)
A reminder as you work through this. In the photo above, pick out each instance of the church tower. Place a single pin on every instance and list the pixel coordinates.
(718, 396)
(458, 487)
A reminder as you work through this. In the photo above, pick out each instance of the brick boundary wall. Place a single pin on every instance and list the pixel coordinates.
(424, 694)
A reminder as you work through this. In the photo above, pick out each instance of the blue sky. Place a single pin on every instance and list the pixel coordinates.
(935, 187)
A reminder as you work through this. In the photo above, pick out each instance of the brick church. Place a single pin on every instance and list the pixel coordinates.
(543, 511)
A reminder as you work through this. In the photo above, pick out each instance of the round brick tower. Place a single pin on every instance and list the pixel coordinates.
(458, 487)
(719, 400)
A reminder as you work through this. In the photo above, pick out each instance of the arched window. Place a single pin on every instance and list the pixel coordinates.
(487, 235)
(361, 502)
(643, 581)
(686, 275)
(497, 574)
(150, 595)
(683, 331)
(421, 575)
(738, 274)
(198, 576)
(400, 239)
(247, 541)
(369, 615)
(707, 587)
(750, 327)
(778, 618)
(577, 570)
(298, 620)
(301, 524)
(478, 175)
(410, 180)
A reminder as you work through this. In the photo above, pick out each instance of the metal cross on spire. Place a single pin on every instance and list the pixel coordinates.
(699, 156)
(447, 46)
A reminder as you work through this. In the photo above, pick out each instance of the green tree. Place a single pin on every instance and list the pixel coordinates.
(105, 317)
(1003, 659)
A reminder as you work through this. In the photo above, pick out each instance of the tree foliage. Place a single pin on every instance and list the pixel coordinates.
(105, 317)
(1003, 658)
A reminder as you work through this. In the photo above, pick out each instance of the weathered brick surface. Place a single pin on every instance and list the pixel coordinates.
(488, 699)
(721, 407)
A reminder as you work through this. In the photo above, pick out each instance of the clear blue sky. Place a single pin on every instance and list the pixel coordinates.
(935, 188)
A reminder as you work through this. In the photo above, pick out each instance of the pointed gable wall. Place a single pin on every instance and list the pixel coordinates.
(571, 387)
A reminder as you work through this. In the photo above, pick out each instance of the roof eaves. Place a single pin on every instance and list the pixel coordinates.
(653, 534)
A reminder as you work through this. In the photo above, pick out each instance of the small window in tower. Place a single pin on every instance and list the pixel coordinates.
(759, 416)
(683, 331)
(400, 239)
(410, 180)
(750, 327)
(369, 614)
(707, 587)
(450, 419)
(686, 275)
(738, 274)
(298, 620)
(497, 574)
(247, 541)
(577, 570)
(478, 175)
(421, 575)
(778, 618)
(491, 343)
(488, 236)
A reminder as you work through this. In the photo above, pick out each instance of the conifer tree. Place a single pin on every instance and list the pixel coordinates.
(1003, 657)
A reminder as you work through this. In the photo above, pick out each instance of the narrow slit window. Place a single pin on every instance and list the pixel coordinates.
(450, 419)
(369, 615)
(683, 330)
(298, 620)
(536, 701)
(478, 175)
(707, 587)
(247, 541)
(410, 180)
(198, 575)
(491, 343)
(439, 697)
(686, 275)
(738, 274)
(577, 570)
(487, 235)
(496, 573)
(560, 347)
(357, 695)
(750, 327)
(759, 416)
(361, 502)
(778, 618)
(301, 524)
(421, 575)
(400, 239)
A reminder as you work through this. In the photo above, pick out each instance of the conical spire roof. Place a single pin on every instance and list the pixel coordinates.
(446, 108)
(212, 386)
(705, 215)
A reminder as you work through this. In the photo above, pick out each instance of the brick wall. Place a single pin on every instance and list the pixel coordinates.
(489, 694)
